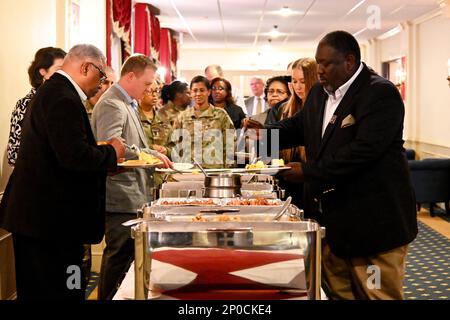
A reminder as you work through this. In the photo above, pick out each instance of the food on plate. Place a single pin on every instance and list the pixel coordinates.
(136, 162)
(277, 162)
(252, 202)
(220, 218)
(258, 165)
(148, 158)
(189, 202)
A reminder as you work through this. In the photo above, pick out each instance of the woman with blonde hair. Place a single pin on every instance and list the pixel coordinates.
(304, 76)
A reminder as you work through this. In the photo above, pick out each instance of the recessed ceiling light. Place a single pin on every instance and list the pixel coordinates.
(286, 11)
(274, 33)
(355, 7)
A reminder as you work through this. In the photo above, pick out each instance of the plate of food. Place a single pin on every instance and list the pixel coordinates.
(180, 166)
(260, 167)
(145, 161)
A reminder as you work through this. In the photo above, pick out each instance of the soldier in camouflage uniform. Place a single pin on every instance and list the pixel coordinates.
(178, 97)
(205, 132)
(153, 125)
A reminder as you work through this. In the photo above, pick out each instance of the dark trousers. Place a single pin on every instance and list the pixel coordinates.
(117, 255)
(48, 270)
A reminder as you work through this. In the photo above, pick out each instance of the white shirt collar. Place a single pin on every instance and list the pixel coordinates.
(342, 90)
(77, 87)
(128, 99)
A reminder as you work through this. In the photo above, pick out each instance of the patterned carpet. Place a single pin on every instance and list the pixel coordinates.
(93, 282)
(428, 266)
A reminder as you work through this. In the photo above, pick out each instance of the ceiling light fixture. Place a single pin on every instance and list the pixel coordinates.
(390, 33)
(355, 7)
(286, 11)
(359, 32)
(267, 46)
(274, 33)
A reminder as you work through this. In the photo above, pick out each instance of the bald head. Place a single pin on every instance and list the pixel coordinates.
(213, 71)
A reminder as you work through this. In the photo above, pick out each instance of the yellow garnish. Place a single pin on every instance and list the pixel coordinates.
(257, 165)
(148, 158)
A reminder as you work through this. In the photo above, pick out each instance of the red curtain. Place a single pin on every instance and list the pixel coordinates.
(108, 32)
(118, 20)
(174, 57)
(155, 41)
(150, 38)
(142, 29)
(164, 53)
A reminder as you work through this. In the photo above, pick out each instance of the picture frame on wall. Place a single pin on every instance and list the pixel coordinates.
(74, 26)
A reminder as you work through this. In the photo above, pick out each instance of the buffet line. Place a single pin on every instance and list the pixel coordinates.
(224, 234)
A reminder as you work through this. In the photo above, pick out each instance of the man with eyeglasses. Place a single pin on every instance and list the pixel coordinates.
(107, 81)
(55, 198)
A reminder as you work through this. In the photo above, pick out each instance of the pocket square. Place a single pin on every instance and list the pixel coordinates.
(348, 121)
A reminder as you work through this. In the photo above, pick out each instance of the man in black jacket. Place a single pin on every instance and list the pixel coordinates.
(351, 127)
(55, 198)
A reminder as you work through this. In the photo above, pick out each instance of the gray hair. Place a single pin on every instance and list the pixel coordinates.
(83, 51)
(216, 68)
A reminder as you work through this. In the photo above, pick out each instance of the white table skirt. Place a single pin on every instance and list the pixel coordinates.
(126, 290)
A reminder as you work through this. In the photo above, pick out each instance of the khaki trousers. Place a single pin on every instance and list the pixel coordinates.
(376, 277)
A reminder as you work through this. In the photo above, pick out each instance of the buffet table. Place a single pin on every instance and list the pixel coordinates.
(221, 245)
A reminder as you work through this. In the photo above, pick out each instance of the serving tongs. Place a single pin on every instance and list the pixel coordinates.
(134, 148)
(283, 209)
(200, 167)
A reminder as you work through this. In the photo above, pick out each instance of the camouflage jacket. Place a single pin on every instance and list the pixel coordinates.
(209, 137)
(89, 108)
(156, 129)
(169, 113)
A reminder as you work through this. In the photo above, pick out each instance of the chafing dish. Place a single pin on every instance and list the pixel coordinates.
(173, 256)
(183, 206)
(222, 185)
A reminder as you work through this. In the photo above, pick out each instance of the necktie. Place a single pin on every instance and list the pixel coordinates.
(134, 106)
(259, 106)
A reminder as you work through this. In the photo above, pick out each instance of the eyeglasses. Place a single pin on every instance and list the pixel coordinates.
(103, 75)
(277, 91)
(217, 88)
(157, 91)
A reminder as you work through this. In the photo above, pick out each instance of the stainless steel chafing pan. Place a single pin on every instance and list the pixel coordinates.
(253, 237)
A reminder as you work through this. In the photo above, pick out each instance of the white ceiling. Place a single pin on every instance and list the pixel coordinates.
(247, 23)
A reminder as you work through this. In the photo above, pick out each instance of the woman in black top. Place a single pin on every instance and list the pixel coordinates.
(46, 62)
(222, 98)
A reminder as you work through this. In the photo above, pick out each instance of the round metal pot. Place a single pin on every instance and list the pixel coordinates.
(223, 180)
(214, 192)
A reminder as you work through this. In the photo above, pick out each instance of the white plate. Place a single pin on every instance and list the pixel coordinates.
(270, 170)
(182, 166)
(127, 164)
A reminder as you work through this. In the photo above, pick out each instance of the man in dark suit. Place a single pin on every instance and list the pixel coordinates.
(351, 127)
(55, 198)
